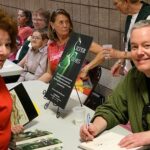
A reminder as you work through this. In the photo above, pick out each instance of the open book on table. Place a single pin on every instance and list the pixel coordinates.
(24, 110)
(108, 141)
(37, 140)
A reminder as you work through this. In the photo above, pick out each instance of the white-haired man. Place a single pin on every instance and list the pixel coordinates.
(131, 99)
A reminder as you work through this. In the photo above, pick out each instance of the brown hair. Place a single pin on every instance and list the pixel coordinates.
(9, 25)
(28, 15)
(43, 32)
(44, 13)
(52, 33)
(134, 1)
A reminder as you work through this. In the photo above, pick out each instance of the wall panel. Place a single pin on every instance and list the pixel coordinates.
(97, 18)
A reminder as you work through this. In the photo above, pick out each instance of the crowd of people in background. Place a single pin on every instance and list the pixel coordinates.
(36, 42)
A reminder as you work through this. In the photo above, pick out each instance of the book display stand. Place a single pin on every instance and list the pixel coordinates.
(58, 113)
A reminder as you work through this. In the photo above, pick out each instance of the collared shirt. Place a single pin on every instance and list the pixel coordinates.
(35, 65)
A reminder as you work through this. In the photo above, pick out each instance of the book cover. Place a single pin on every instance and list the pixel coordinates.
(24, 109)
(108, 141)
(43, 143)
(68, 69)
(30, 136)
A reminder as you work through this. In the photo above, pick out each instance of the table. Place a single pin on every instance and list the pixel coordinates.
(10, 69)
(63, 128)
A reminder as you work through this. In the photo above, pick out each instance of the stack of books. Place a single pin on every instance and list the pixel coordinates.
(37, 140)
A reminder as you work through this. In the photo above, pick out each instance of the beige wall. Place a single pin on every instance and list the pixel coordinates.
(97, 18)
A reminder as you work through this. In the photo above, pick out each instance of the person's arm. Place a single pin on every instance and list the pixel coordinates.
(121, 54)
(113, 112)
(22, 62)
(98, 59)
(88, 133)
(46, 77)
(117, 68)
(114, 53)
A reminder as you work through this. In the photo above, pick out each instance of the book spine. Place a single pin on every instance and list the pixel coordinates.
(50, 147)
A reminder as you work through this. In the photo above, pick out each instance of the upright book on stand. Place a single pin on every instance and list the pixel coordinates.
(24, 110)
(68, 69)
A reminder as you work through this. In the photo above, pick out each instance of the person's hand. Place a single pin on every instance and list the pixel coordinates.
(135, 140)
(17, 129)
(87, 133)
(117, 68)
(110, 53)
(84, 73)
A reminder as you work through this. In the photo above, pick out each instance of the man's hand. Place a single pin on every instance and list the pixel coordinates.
(135, 140)
(87, 133)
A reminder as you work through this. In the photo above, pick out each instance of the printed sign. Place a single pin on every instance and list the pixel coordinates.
(68, 69)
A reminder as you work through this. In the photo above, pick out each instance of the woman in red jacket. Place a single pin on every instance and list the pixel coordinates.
(8, 33)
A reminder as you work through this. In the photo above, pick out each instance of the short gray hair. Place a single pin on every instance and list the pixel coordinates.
(141, 24)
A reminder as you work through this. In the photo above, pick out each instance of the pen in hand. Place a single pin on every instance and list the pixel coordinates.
(88, 119)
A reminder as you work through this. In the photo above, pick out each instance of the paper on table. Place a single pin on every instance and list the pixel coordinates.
(108, 141)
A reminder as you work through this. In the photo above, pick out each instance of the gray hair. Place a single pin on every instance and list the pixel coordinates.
(131, 1)
(141, 24)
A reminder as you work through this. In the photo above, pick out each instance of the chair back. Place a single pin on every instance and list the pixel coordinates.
(95, 75)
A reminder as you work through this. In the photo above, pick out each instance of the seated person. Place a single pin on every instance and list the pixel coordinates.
(35, 61)
(59, 35)
(40, 19)
(131, 99)
(24, 20)
(60, 29)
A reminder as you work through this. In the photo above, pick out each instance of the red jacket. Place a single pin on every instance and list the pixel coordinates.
(5, 112)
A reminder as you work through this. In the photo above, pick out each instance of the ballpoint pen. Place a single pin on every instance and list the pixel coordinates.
(88, 120)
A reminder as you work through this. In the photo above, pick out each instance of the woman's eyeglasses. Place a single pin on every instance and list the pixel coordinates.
(35, 37)
(146, 110)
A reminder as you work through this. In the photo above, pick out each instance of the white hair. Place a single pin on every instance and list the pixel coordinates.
(141, 24)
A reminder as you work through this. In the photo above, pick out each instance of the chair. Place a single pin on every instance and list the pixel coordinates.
(94, 98)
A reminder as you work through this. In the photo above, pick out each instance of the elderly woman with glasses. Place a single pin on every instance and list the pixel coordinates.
(131, 99)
